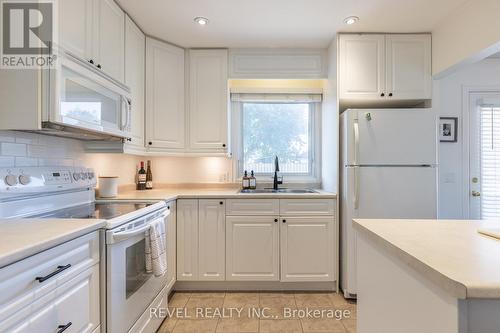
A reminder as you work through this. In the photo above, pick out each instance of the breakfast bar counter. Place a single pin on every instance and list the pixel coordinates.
(427, 276)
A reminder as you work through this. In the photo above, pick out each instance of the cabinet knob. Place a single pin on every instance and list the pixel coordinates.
(91, 61)
(390, 94)
(129, 139)
(150, 143)
(99, 66)
(221, 203)
(224, 145)
(168, 207)
(284, 221)
(275, 220)
(382, 95)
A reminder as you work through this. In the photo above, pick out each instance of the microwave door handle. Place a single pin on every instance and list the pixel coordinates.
(123, 120)
(129, 113)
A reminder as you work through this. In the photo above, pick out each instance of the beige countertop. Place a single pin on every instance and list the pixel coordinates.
(192, 192)
(451, 253)
(21, 238)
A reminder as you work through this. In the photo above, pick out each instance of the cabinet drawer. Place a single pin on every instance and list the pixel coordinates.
(75, 302)
(267, 207)
(19, 286)
(307, 207)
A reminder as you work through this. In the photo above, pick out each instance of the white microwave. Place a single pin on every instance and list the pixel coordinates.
(86, 103)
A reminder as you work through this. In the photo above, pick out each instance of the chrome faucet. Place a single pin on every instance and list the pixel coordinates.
(277, 181)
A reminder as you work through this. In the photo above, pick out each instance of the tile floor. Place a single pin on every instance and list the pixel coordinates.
(232, 312)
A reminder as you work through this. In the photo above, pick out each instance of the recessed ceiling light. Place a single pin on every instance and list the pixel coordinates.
(351, 20)
(201, 20)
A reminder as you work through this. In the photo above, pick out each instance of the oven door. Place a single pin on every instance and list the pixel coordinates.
(130, 289)
(85, 98)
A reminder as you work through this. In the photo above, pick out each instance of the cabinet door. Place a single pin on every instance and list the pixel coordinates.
(307, 248)
(362, 66)
(135, 48)
(252, 248)
(171, 245)
(187, 237)
(75, 29)
(208, 100)
(409, 66)
(165, 114)
(109, 46)
(75, 302)
(211, 248)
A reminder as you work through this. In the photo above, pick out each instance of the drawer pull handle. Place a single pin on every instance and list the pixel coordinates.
(63, 328)
(59, 270)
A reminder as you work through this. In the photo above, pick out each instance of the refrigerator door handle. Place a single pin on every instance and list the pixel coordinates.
(356, 141)
(356, 187)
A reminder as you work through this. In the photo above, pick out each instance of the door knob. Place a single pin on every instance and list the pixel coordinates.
(476, 194)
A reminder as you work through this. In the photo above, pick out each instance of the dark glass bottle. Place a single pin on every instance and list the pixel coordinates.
(149, 177)
(141, 178)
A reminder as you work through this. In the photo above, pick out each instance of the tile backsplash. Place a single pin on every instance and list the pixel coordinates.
(22, 149)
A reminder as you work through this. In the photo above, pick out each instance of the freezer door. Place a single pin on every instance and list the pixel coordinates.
(390, 137)
(382, 192)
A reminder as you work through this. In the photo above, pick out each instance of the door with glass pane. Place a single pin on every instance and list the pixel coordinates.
(484, 134)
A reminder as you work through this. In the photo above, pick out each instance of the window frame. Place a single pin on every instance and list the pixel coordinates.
(313, 177)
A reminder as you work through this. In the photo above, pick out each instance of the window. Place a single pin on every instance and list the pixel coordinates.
(286, 127)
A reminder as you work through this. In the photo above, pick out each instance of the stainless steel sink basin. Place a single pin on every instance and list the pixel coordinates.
(281, 190)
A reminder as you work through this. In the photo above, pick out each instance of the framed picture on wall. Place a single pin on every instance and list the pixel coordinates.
(448, 127)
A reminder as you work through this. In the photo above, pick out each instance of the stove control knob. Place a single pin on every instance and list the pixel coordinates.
(11, 180)
(91, 175)
(24, 179)
(76, 176)
(83, 175)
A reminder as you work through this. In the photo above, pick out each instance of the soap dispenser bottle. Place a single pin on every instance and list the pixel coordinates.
(253, 181)
(245, 182)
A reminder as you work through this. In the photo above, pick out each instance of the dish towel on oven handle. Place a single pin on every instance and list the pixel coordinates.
(156, 256)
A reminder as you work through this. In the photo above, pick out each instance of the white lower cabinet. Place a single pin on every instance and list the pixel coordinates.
(171, 245)
(252, 248)
(307, 248)
(211, 229)
(200, 239)
(37, 298)
(187, 240)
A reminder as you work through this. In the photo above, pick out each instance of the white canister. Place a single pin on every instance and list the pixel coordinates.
(108, 187)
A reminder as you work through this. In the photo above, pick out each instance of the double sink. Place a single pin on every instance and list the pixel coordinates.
(280, 190)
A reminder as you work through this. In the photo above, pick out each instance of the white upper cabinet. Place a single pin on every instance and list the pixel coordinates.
(135, 48)
(110, 39)
(165, 113)
(362, 66)
(208, 100)
(94, 31)
(76, 27)
(385, 67)
(409, 69)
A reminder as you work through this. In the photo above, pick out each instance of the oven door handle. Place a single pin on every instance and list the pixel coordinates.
(123, 235)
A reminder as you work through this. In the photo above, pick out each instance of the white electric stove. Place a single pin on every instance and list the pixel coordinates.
(69, 192)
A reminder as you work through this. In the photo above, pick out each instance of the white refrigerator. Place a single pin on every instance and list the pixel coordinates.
(388, 170)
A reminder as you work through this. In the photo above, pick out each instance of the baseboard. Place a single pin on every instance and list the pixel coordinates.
(254, 286)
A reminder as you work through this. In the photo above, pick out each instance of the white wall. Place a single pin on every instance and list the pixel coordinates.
(467, 32)
(448, 96)
(330, 122)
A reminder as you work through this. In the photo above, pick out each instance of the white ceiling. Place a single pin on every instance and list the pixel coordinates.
(280, 23)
